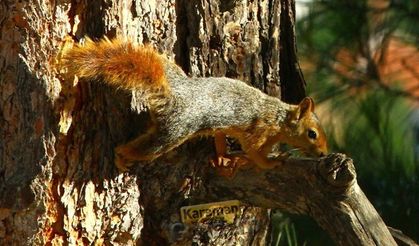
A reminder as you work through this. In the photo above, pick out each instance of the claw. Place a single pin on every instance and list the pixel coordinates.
(227, 166)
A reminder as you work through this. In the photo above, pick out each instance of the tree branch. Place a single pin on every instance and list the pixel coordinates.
(325, 189)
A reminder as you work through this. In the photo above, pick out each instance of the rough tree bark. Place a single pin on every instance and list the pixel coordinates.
(58, 184)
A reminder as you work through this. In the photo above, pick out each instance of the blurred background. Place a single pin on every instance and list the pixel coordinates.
(361, 62)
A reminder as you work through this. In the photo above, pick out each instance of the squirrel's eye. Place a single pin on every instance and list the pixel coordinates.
(312, 134)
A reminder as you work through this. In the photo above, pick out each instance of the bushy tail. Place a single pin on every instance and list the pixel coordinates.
(117, 63)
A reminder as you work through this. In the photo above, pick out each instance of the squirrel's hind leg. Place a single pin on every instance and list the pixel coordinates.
(126, 154)
(146, 147)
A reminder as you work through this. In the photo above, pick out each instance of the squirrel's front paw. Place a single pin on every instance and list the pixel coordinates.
(227, 166)
(281, 156)
(284, 155)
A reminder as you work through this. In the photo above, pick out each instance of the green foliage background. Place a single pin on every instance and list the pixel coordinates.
(366, 118)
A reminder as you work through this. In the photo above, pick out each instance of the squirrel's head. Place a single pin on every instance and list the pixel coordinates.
(306, 132)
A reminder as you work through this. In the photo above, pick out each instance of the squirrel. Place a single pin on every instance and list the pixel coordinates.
(183, 107)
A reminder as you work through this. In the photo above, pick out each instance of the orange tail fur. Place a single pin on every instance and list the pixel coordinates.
(117, 63)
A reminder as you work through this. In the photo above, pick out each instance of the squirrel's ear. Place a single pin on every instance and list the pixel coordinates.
(307, 104)
(305, 107)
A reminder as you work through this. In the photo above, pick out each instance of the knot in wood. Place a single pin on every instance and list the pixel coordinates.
(338, 171)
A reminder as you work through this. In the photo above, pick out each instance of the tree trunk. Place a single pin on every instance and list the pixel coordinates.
(58, 181)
